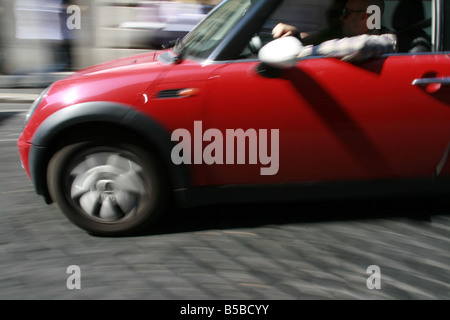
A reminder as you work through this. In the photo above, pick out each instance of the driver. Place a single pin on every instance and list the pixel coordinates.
(359, 42)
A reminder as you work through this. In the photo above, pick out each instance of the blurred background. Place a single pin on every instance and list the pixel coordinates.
(35, 36)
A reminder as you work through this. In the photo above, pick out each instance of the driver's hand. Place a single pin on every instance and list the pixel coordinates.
(283, 30)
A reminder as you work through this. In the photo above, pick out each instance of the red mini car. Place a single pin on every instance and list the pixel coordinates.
(211, 121)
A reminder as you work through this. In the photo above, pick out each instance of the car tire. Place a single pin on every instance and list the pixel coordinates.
(108, 188)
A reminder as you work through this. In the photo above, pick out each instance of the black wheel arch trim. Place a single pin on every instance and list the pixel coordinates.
(101, 112)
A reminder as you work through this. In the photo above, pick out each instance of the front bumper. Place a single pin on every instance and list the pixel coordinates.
(24, 151)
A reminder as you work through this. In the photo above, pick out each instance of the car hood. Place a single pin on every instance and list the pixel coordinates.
(121, 81)
(117, 65)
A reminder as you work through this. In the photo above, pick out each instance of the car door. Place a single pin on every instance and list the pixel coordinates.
(385, 118)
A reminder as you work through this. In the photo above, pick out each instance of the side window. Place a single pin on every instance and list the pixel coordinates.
(320, 20)
(315, 18)
(317, 21)
(411, 20)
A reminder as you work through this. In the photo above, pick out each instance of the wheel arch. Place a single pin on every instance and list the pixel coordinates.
(72, 124)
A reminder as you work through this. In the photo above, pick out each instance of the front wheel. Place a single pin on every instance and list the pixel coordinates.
(107, 189)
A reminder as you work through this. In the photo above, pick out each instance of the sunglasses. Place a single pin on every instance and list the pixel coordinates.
(346, 12)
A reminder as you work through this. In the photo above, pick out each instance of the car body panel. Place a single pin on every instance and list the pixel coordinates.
(339, 120)
(121, 81)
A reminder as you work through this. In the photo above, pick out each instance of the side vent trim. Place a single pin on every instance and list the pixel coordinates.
(178, 93)
(167, 94)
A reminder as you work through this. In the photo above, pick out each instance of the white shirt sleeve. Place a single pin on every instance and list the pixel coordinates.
(354, 49)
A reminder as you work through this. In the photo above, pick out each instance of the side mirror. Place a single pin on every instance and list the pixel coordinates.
(281, 53)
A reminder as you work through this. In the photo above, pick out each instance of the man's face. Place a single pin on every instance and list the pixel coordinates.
(354, 19)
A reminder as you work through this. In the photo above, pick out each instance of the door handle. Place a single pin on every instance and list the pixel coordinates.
(428, 81)
(431, 85)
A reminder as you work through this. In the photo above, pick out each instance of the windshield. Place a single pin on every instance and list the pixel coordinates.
(201, 41)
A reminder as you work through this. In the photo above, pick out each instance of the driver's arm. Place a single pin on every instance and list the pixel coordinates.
(357, 48)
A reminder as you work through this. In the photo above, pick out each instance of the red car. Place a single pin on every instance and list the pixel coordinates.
(209, 122)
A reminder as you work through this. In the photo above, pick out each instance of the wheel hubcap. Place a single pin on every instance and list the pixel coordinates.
(108, 186)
